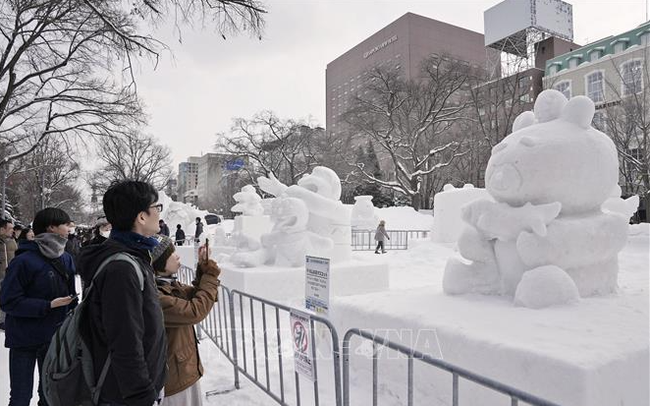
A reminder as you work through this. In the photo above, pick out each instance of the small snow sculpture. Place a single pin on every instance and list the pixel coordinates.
(548, 179)
(289, 241)
(248, 202)
(363, 213)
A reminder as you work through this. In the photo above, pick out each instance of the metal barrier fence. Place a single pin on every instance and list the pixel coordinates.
(243, 300)
(364, 240)
(229, 329)
(515, 395)
(217, 326)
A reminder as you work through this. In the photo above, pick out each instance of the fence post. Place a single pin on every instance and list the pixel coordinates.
(233, 336)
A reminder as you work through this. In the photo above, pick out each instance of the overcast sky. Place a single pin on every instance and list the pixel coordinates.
(194, 93)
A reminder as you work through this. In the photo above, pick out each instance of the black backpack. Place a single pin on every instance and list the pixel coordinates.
(68, 377)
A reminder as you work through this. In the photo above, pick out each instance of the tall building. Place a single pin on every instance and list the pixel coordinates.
(217, 181)
(188, 175)
(403, 44)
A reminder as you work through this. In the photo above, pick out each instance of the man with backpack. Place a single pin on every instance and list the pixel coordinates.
(123, 324)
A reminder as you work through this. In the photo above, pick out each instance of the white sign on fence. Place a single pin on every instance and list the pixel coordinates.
(317, 284)
(303, 362)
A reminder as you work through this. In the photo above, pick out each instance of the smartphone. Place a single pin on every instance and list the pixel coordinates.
(76, 295)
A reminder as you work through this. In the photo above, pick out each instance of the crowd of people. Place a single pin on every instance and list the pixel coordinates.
(137, 321)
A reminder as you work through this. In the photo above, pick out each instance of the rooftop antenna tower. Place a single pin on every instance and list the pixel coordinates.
(515, 27)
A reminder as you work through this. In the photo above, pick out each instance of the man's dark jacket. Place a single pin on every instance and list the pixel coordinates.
(127, 321)
(31, 283)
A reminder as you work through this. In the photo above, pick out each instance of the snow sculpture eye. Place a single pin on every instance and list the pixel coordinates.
(527, 142)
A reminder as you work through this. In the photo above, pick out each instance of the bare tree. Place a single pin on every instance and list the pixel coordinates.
(285, 148)
(44, 178)
(412, 123)
(138, 157)
(59, 59)
(495, 104)
(626, 119)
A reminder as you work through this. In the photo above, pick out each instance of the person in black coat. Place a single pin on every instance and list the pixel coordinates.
(121, 316)
(180, 235)
(36, 294)
(199, 229)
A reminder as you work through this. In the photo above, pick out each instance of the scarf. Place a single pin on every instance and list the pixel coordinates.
(51, 245)
(134, 240)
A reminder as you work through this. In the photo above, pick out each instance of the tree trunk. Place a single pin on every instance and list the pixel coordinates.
(416, 201)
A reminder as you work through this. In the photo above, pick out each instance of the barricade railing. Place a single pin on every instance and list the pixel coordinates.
(364, 240)
(457, 373)
(257, 369)
(217, 326)
(231, 326)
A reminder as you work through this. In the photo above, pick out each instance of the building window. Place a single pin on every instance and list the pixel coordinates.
(645, 38)
(599, 121)
(595, 87)
(594, 55)
(619, 47)
(564, 87)
(573, 62)
(632, 77)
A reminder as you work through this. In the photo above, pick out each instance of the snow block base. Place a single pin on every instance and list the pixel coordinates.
(277, 283)
(593, 353)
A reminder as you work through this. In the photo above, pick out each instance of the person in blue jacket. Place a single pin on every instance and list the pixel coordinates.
(36, 294)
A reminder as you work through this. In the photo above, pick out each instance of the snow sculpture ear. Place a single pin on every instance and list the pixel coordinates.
(525, 119)
(580, 111)
(549, 105)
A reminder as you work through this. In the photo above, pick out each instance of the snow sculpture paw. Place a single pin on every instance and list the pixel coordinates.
(546, 286)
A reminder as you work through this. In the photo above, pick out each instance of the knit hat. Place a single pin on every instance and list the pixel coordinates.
(161, 252)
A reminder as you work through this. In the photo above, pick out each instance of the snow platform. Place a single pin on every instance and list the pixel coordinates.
(594, 353)
(281, 283)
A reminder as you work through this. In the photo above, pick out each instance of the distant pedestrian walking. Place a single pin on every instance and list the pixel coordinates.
(180, 235)
(199, 229)
(380, 235)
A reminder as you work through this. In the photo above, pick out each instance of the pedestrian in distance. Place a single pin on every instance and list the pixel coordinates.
(183, 306)
(180, 235)
(7, 252)
(27, 234)
(199, 230)
(164, 229)
(36, 294)
(380, 236)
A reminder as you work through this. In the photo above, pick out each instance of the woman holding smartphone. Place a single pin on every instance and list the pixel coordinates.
(183, 306)
(36, 294)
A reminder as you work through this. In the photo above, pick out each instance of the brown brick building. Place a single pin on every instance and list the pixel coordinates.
(404, 43)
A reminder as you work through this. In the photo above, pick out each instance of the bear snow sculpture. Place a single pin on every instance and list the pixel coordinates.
(544, 239)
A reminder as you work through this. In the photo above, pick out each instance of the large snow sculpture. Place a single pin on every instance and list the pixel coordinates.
(180, 213)
(548, 179)
(320, 191)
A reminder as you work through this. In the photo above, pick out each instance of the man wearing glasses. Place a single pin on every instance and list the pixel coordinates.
(124, 313)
